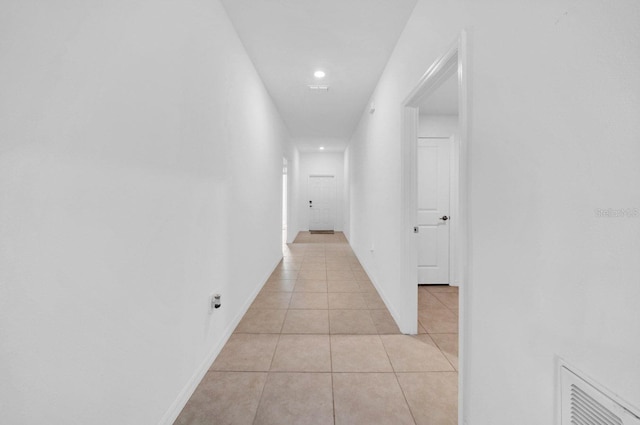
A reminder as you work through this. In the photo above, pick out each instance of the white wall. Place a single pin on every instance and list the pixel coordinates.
(321, 163)
(346, 210)
(437, 125)
(554, 136)
(293, 158)
(140, 171)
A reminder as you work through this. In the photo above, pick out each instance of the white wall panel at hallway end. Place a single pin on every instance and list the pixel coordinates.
(140, 172)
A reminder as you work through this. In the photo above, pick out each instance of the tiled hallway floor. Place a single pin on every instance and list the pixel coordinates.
(318, 346)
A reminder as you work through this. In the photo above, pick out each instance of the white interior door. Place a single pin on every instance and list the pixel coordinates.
(321, 197)
(434, 159)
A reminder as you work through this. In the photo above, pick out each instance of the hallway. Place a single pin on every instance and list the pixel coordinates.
(318, 346)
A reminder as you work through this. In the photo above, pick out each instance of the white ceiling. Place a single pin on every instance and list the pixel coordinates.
(351, 40)
(443, 101)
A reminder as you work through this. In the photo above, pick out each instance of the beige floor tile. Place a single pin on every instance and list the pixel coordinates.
(337, 250)
(361, 276)
(312, 266)
(340, 275)
(302, 353)
(384, 322)
(346, 301)
(272, 299)
(450, 299)
(279, 285)
(367, 287)
(415, 354)
(442, 321)
(285, 274)
(440, 288)
(306, 322)
(314, 245)
(338, 266)
(288, 265)
(278, 277)
(309, 300)
(247, 352)
(448, 344)
(359, 353)
(313, 275)
(310, 286)
(314, 259)
(351, 322)
(225, 398)
(432, 396)
(369, 398)
(427, 300)
(294, 256)
(421, 329)
(262, 321)
(296, 398)
(343, 286)
(297, 247)
(373, 300)
(357, 268)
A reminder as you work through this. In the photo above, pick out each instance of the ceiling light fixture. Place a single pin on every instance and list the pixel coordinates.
(321, 148)
(319, 74)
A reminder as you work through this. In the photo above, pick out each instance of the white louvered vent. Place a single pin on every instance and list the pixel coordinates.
(584, 404)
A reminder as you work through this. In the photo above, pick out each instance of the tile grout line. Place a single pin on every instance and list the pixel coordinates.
(404, 395)
(395, 374)
(333, 392)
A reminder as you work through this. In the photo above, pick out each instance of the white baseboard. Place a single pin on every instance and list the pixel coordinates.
(183, 397)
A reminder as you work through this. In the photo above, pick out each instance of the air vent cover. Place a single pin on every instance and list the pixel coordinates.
(584, 404)
(319, 89)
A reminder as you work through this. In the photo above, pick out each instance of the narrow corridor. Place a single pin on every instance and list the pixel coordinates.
(318, 346)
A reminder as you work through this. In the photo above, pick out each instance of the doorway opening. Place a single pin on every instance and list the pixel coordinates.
(447, 72)
(437, 185)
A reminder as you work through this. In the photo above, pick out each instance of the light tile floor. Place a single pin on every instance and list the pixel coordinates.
(318, 346)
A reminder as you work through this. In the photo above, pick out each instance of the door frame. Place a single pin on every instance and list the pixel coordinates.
(454, 207)
(453, 61)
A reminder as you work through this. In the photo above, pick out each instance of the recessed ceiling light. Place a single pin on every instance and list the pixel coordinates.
(321, 148)
(319, 74)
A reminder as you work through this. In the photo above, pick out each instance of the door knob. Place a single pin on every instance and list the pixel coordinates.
(444, 218)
